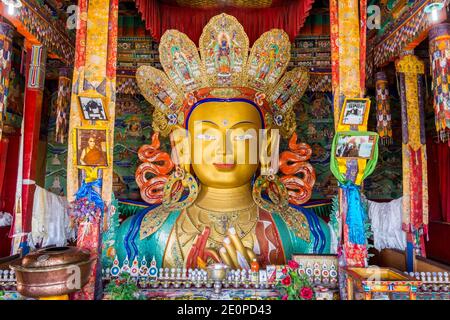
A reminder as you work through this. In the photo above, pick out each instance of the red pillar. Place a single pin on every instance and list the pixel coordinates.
(36, 58)
(3, 154)
(5, 243)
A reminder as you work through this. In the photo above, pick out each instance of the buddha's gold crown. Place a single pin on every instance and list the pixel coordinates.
(223, 70)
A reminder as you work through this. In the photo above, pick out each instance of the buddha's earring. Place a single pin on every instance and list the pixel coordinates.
(172, 194)
(276, 191)
(277, 195)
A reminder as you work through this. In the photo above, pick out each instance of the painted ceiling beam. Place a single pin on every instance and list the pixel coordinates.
(37, 28)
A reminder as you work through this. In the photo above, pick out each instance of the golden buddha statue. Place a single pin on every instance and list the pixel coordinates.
(223, 123)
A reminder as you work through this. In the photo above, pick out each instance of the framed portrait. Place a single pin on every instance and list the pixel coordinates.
(91, 147)
(359, 146)
(93, 108)
(355, 112)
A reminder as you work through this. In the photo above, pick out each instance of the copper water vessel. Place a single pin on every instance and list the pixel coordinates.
(53, 271)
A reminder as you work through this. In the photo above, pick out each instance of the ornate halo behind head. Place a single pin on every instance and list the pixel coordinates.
(224, 71)
(180, 60)
(268, 60)
(224, 51)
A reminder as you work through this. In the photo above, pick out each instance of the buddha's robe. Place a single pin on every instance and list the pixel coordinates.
(151, 233)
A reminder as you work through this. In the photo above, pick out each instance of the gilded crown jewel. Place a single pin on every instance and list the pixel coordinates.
(224, 69)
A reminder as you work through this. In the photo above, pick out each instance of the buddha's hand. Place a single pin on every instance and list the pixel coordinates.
(199, 253)
(234, 253)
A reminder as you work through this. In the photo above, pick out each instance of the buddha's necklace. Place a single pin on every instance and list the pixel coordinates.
(223, 220)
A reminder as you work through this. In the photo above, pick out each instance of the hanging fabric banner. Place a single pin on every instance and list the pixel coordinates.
(440, 68)
(334, 39)
(348, 51)
(63, 105)
(6, 33)
(363, 42)
(411, 75)
(384, 126)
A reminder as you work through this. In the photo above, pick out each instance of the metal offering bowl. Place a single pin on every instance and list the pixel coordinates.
(53, 271)
(217, 271)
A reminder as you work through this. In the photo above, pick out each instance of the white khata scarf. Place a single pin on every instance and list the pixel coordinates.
(386, 222)
(50, 221)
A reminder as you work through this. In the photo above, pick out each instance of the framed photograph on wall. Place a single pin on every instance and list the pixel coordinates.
(91, 147)
(359, 146)
(355, 112)
(93, 108)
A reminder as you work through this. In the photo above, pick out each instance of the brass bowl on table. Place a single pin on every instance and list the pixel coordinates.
(53, 271)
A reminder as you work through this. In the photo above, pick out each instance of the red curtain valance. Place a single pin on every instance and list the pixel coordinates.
(160, 17)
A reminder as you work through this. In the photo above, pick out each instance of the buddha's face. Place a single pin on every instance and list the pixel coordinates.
(224, 143)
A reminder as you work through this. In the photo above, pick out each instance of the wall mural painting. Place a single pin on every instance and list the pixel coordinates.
(16, 89)
(316, 127)
(132, 130)
(386, 181)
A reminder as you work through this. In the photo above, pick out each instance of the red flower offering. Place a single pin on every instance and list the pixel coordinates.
(306, 293)
(286, 280)
(293, 265)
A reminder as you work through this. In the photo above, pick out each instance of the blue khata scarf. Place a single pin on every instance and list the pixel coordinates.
(356, 217)
(87, 191)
